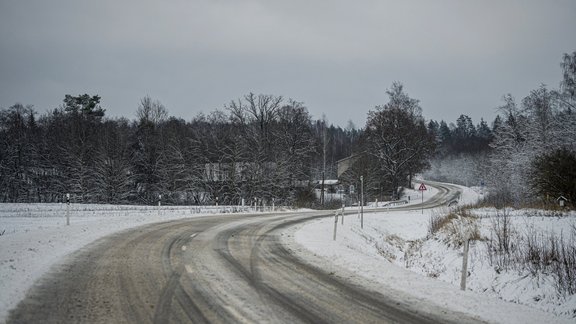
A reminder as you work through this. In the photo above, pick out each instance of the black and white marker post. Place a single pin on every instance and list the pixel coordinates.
(67, 209)
(335, 224)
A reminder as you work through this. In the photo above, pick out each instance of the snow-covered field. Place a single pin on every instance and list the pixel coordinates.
(395, 250)
(35, 236)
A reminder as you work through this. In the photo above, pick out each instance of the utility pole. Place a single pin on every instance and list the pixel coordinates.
(322, 196)
(361, 201)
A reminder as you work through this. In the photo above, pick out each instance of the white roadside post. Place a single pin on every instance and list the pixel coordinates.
(159, 203)
(467, 233)
(342, 214)
(362, 202)
(465, 263)
(67, 209)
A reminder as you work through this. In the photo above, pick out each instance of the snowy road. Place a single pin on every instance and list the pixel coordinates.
(212, 269)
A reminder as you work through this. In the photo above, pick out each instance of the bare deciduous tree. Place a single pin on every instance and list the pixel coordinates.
(151, 111)
(397, 137)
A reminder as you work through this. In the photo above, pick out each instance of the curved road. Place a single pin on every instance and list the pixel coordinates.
(215, 269)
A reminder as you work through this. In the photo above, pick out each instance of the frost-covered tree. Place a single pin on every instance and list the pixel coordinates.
(148, 151)
(113, 169)
(18, 153)
(509, 156)
(77, 144)
(568, 84)
(151, 111)
(397, 137)
(296, 140)
(255, 117)
(527, 135)
(540, 110)
(567, 101)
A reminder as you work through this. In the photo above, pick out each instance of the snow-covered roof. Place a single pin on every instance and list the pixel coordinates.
(328, 182)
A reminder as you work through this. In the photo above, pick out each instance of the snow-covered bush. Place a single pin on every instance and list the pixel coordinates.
(499, 246)
(458, 226)
(550, 253)
(525, 248)
(438, 220)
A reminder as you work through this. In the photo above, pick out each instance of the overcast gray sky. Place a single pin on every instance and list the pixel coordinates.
(338, 57)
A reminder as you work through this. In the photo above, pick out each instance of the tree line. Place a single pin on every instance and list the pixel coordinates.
(259, 148)
(527, 156)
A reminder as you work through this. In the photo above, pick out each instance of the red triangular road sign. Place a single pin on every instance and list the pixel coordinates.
(422, 187)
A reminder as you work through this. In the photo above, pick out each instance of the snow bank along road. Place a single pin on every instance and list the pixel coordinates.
(230, 268)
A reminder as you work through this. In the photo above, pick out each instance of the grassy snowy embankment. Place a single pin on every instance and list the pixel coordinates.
(396, 252)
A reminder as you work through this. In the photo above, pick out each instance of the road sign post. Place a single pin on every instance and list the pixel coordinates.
(422, 188)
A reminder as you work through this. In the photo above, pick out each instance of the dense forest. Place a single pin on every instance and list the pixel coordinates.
(259, 146)
(264, 148)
